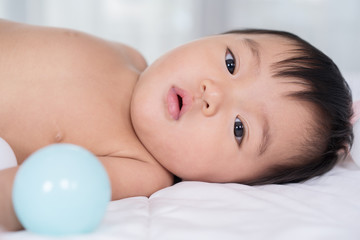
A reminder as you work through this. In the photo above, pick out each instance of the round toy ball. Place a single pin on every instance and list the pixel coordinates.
(61, 189)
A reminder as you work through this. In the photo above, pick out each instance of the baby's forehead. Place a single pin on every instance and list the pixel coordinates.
(264, 38)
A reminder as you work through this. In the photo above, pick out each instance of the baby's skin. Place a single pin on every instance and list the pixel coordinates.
(63, 86)
(207, 111)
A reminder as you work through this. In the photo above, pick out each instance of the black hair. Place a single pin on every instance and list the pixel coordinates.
(326, 90)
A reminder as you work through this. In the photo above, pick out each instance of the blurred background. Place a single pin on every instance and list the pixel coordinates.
(155, 26)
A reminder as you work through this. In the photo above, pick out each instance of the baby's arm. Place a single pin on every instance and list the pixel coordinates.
(8, 219)
(129, 177)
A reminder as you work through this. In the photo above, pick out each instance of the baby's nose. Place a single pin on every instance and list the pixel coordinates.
(212, 97)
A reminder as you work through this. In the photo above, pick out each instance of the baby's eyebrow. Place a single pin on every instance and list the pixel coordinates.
(254, 48)
(266, 136)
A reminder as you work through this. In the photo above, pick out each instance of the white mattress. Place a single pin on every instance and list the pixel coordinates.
(326, 207)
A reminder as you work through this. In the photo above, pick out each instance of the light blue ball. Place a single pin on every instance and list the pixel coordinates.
(61, 189)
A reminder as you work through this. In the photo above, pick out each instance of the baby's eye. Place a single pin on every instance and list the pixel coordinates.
(230, 61)
(238, 130)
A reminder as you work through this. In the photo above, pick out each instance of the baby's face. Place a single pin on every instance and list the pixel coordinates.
(210, 110)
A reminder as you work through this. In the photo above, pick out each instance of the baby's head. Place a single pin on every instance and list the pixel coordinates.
(250, 106)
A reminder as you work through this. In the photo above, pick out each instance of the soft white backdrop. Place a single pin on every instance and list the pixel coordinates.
(155, 26)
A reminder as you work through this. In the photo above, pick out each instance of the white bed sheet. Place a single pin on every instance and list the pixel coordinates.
(326, 207)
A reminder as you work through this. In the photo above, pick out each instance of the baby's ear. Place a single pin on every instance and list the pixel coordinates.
(356, 109)
(355, 122)
(355, 151)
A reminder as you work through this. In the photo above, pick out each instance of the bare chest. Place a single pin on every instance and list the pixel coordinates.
(93, 113)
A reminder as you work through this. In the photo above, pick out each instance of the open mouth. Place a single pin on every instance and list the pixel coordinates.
(178, 101)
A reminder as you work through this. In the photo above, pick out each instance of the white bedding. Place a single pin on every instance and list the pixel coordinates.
(326, 207)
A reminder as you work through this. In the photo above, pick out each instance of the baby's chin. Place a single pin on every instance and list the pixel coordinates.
(138, 120)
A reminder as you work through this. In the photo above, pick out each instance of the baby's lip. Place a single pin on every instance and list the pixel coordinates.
(178, 102)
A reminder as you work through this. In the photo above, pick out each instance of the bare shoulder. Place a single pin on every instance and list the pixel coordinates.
(133, 56)
(6, 25)
(79, 82)
(68, 42)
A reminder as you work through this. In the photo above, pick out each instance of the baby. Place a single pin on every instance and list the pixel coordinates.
(250, 106)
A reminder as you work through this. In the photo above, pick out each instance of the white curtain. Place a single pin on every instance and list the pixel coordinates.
(155, 26)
